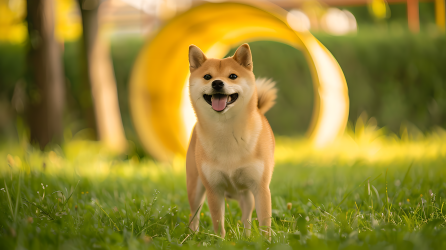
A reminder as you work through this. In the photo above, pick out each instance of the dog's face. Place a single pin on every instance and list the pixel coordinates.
(221, 86)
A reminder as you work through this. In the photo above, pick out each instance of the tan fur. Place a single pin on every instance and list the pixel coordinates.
(267, 94)
(231, 153)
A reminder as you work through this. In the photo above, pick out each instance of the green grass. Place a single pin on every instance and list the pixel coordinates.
(79, 196)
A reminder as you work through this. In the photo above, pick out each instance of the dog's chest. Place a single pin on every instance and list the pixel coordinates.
(229, 159)
(232, 177)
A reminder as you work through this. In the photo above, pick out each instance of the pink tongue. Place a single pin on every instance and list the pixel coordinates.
(219, 103)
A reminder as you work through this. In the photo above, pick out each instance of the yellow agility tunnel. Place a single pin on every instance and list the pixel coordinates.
(159, 99)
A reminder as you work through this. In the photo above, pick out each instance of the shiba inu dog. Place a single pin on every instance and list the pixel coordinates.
(231, 152)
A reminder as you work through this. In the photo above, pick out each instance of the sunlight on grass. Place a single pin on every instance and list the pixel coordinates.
(365, 141)
(362, 142)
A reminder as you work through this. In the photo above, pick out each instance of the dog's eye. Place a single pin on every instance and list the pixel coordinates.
(232, 76)
(207, 77)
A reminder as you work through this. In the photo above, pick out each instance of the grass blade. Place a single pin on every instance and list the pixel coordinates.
(231, 229)
(9, 200)
(43, 210)
(407, 173)
(387, 200)
(144, 228)
(107, 215)
(229, 212)
(198, 209)
(403, 182)
(17, 199)
(353, 189)
(214, 235)
(254, 227)
(168, 234)
(70, 194)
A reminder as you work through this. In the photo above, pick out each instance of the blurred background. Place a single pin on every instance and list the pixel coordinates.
(65, 66)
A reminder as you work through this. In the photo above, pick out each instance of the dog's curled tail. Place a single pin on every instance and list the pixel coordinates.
(266, 93)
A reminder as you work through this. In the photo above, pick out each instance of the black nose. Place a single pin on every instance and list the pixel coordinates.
(217, 84)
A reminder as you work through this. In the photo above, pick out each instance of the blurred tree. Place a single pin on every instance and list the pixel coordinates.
(100, 74)
(47, 89)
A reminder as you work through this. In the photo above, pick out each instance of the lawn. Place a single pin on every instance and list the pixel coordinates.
(370, 191)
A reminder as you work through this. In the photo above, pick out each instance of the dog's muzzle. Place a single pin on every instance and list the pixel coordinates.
(220, 101)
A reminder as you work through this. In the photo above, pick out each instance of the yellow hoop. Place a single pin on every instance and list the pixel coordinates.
(159, 99)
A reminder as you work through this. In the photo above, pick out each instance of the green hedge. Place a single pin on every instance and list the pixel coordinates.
(395, 78)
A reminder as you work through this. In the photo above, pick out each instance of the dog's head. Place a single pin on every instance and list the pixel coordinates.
(221, 86)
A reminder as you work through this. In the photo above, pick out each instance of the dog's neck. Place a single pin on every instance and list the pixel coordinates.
(239, 132)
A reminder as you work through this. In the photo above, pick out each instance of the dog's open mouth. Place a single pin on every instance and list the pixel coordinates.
(220, 101)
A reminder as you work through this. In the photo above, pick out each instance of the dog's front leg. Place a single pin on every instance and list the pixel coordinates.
(246, 201)
(216, 202)
(262, 198)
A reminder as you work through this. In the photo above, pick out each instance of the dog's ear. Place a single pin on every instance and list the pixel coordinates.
(196, 57)
(243, 56)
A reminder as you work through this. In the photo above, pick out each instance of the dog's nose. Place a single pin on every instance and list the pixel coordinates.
(217, 84)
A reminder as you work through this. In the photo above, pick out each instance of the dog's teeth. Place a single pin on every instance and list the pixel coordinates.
(229, 98)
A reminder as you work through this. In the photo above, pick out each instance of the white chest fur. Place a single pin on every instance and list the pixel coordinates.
(231, 165)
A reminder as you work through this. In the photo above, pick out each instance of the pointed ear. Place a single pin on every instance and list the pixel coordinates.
(243, 56)
(196, 58)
